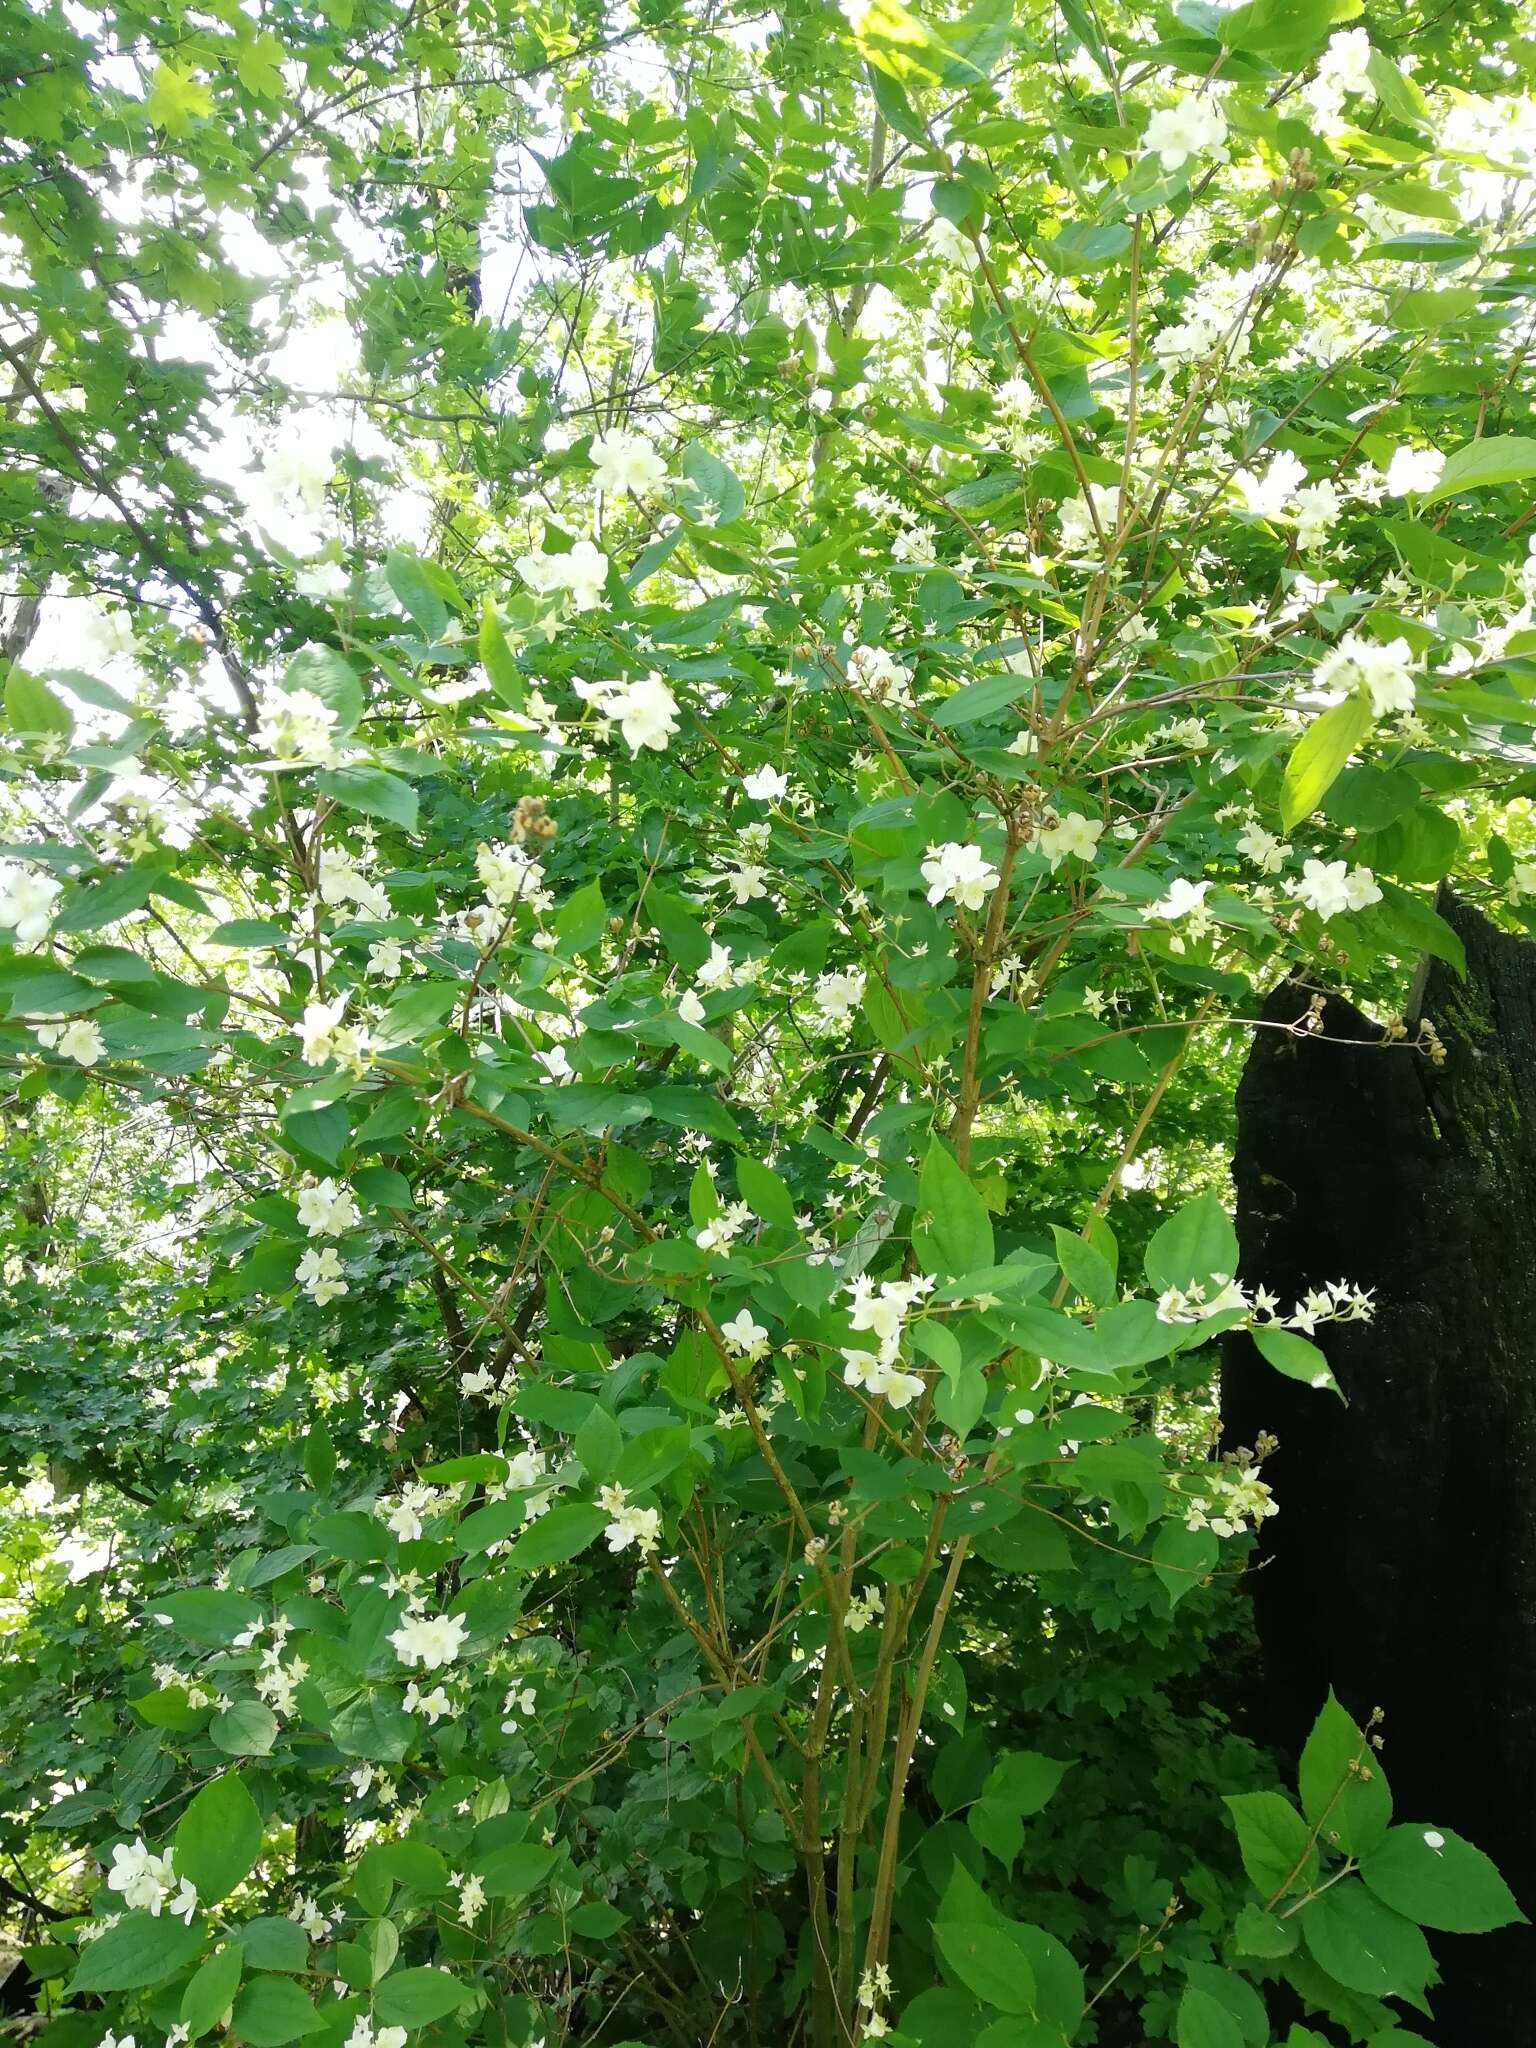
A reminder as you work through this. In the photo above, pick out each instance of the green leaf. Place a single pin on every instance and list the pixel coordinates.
(207, 1615)
(411, 580)
(1319, 756)
(1415, 926)
(561, 1534)
(987, 1963)
(581, 920)
(1435, 1877)
(1343, 1787)
(516, 1869)
(952, 1231)
(1025, 1780)
(30, 706)
(1494, 459)
(1297, 1357)
(212, 1990)
(1286, 31)
(1273, 1840)
(1085, 1266)
(272, 2011)
(1194, 1245)
(248, 1728)
(980, 699)
(331, 678)
(219, 1838)
(372, 791)
(718, 489)
(381, 1187)
(765, 1193)
(1364, 1945)
(1205, 2023)
(415, 1998)
(140, 1950)
(271, 1942)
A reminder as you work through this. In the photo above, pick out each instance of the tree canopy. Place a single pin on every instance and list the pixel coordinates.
(673, 676)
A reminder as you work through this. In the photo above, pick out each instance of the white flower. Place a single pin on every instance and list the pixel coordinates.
(866, 1369)
(1192, 126)
(952, 244)
(626, 461)
(1266, 497)
(1433, 1839)
(556, 1063)
(434, 1704)
(320, 1276)
(385, 959)
(746, 882)
(1073, 834)
(1413, 469)
(326, 582)
(26, 902)
(79, 1040)
(326, 1210)
(766, 785)
(627, 1524)
(880, 675)
(689, 1008)
(838, 994)
(365, 2035)
(147, 1882)
(1384, 674)
(646, 711)
(300, 470)
(326, 1038)
(471, 1896)
(1329, 887)
(748, 1339)
(430, 1640)
(297, 729)
(718, 970)
(1184, 899)
(960, 871)
(1268, 853)
(403, 1519)
(580, 572)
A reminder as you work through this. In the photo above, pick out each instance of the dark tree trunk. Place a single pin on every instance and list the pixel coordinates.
(1402, 1566)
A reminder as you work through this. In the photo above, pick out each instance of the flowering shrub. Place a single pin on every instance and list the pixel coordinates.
(641, 811)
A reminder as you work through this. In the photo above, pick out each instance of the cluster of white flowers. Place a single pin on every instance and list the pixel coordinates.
(766, 785)
(880, 676)
(579, 574)
(403, 1518)
(510, 876)
(721, 1231)
(1234, 1496)
(1078, 534)
(327, 1037)
(959, 871)
(1334, 1302)
(874, 1989)
(148, 1883)
(1341, 73)
(1333, 886)
(643, 708)
(882, 1311)
(1072, 836)
(321, 1275)
(434, 1705)
(325, 1210)
(298, 730)
(429, 1640)
(1383, 674)
(365, 2034)
(623, 460)
(1193, 126)
(745, 1337)
(471, 1893)
(27, 902)
(276, 1680)
(1193, 1305)
(1268, 853)
(837, 996)
(79, 1040)
(864, 1608)
(341, 881)
(166, 1675)
(628, 1524)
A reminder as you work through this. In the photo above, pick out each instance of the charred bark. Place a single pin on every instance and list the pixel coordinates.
(1402, 1566)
